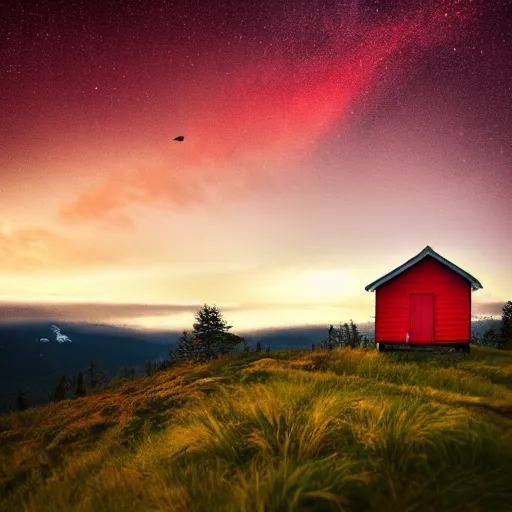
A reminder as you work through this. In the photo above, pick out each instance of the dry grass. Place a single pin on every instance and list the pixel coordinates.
(345, 430)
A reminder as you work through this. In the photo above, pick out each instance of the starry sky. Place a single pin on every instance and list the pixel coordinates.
(326, 143)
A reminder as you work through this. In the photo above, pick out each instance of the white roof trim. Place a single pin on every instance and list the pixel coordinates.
(428, 251)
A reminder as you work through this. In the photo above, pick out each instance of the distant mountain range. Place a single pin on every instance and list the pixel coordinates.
(33, 356)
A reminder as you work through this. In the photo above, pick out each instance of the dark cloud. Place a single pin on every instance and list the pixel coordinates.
(488, 308)
(103, 312)
(89, 312)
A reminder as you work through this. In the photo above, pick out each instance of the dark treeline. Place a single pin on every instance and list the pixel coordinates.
(345, 335)
(497, 337)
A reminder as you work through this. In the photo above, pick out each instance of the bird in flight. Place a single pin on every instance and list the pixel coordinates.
(179, 138)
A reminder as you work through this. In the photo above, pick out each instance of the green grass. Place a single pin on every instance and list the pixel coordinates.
(348, 430)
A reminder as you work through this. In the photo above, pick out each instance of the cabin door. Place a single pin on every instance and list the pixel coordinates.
(422, 318)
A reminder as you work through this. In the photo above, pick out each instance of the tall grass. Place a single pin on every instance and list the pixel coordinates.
(341, 430)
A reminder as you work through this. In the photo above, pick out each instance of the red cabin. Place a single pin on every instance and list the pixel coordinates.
(425, 301)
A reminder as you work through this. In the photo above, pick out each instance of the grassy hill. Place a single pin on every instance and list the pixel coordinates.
(37, 367)
(350, 430)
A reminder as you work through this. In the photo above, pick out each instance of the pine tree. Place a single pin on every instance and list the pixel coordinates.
(339, 338)
(21, 401)
(211, 333)
(506, 326)
(60, 390)
(347, 334)
(258, 346)
(229, 342)
(79, 384)
(330, 342)
(149, 368)
(356, 337)
(187, 348)
(93, 374)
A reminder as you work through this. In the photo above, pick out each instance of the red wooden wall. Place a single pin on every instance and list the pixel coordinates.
(452, 303)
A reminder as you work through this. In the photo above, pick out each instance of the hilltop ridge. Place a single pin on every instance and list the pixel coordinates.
(347, 429)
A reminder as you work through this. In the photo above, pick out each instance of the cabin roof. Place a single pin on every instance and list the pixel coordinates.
(428, 251)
